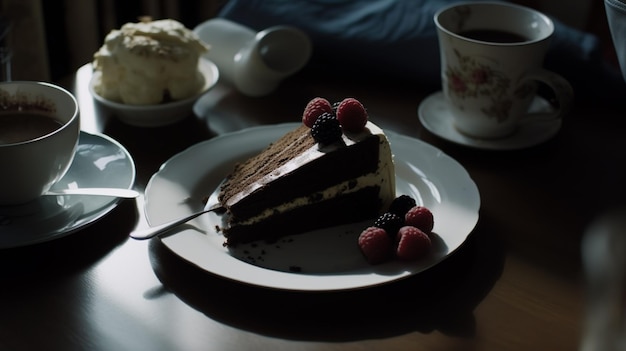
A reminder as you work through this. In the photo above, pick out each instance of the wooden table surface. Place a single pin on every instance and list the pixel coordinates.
(515, 284)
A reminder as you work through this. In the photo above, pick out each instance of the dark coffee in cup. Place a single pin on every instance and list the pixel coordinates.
(16, 127)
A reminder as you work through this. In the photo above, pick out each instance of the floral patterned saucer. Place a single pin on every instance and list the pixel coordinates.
(437, 118)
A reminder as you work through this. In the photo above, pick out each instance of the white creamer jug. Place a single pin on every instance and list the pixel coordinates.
(255, 63)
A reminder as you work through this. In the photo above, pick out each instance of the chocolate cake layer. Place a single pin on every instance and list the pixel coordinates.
(351, 208)
(317, 172)
(274, 156)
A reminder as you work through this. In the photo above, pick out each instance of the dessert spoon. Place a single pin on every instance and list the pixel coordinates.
(113, 192)
(151, 232)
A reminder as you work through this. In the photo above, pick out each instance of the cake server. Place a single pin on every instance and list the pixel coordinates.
(113, 192)
(151, 232)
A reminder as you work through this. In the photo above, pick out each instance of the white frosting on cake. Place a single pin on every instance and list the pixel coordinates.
(384, 177)
(143, 62)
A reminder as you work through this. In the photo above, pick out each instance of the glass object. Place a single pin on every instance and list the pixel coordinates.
(5, 50)
(604, 258)
(616, 16)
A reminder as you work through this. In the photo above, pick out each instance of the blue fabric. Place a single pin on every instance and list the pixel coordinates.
(397, 39)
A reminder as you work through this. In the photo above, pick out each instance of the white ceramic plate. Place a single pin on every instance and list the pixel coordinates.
(99, 162)
(319, 261)
(435, 115)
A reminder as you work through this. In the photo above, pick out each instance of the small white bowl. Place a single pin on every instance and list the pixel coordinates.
(159, 114)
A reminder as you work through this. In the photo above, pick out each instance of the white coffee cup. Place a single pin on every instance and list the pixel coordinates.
(491, 60)
(255, 63)
(35, 155)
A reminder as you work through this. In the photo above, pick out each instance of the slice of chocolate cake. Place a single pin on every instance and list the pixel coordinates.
(297, 185)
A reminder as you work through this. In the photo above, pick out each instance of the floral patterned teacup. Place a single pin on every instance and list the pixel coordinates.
(491, 62)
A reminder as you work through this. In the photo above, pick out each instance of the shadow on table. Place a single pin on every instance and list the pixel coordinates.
(48, 261)
(152, 146)
(442, 298)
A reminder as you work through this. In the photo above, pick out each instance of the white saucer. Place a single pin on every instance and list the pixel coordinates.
(99, 162)
(436, 117)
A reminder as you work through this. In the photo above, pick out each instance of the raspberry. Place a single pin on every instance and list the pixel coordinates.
(314, 109)
(401, 205)
(326, 129)
(376, 245)
(351, 115)
(390, 222)
(420, 217)
(413, 243)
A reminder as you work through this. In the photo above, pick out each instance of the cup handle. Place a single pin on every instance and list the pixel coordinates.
(563, 91)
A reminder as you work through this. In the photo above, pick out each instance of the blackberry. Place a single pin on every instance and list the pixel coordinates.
(401, 205)
(390, 222)
(326, 129)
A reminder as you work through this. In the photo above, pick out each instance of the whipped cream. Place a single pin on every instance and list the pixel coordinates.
(149, 63)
